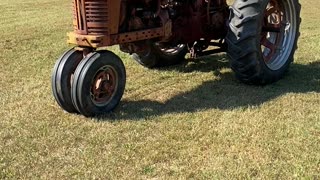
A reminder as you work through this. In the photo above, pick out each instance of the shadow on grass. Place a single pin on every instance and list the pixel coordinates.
(226, 93)
(203, 64)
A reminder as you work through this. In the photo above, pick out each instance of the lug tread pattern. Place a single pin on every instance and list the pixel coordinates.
(244, 49)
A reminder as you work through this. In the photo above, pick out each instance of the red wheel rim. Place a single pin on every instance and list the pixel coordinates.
(271, 35)
(104, 85)
(279, 33)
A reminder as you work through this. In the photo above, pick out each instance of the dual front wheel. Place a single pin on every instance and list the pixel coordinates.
(92, 85)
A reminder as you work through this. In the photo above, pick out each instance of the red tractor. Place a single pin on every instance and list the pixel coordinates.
(259, 36)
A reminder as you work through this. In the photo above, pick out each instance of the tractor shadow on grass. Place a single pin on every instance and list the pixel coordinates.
(224, 94)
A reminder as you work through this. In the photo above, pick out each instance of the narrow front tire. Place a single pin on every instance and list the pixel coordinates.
(99, 83)
(62, 76)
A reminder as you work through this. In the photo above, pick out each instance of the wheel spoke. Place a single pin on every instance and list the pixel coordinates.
(266, 43)
(269, 45)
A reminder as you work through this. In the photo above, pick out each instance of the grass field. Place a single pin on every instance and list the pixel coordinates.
(194, 120)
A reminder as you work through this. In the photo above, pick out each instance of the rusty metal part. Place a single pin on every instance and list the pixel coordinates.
(198, 48)
(97, 23)
(96, 17)
(204, 20)
(85, 50)
(135, 23)
(93, 41)
(96, 41)
(137, 35)
(104, 85)
(123, 15)
(271, 35)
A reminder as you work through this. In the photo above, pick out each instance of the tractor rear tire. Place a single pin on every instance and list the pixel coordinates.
(157, 56)
(262, 39)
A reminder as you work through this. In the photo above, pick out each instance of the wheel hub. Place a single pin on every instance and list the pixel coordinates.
(104, 85)
(272, 31)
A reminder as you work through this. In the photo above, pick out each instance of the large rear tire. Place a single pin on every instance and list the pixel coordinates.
(158, 56)
(262, 39)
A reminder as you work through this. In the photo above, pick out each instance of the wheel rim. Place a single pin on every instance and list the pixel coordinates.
(171, 50)
(104, 85)
(278, 33)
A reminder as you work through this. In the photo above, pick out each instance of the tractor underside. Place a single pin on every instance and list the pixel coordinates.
(133, 23)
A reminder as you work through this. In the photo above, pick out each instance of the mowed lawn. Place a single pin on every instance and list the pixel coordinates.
(193, 120)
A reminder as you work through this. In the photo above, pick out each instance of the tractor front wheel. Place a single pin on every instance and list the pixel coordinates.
(62, 76)
(99, 83)
(262, 38)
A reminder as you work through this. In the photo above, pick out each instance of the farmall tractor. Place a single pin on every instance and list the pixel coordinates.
(259, 36)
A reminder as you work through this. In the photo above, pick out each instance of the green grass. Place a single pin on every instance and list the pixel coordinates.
(193, 120)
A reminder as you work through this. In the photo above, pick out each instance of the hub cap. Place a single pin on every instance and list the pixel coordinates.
(104, 85)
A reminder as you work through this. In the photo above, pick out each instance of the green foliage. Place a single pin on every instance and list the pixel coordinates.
(193, 120)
